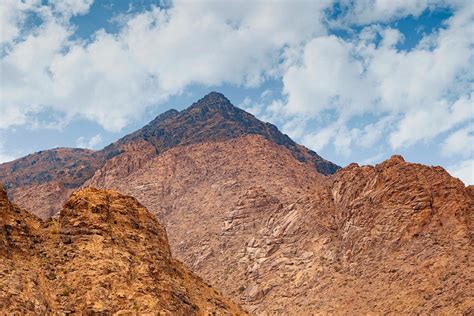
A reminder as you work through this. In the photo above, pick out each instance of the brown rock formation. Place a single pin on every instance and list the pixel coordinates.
(105, 254)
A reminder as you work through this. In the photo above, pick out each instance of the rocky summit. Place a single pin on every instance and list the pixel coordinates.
(263, 220)
(105, 254)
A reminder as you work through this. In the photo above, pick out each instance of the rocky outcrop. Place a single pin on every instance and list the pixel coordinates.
(393, 238)
(21, 287)
(105, 254)
(41, 182)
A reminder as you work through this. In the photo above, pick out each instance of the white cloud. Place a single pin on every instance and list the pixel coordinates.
(464, 171)
(71, 7)
(425, 124)
(370, 11)
(91, 143)
(115, 77)
(328, 78)
(344, 138)
(429, 87)
(12, 15)
(459, 143)
(321, 138)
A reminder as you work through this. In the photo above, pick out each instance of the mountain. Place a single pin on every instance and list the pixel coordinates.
(276, 227)
(104, 254)
(42, 181)
(261, 226)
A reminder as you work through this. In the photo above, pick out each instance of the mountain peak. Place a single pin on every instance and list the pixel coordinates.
(212, 97)
(211, 119)
(214, 118)
(212, 102)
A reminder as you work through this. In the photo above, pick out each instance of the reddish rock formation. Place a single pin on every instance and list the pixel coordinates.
(105, 254)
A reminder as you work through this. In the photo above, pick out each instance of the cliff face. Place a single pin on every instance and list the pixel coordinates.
(394, 238)
(104, 254)
(41, 182)
(298, 242)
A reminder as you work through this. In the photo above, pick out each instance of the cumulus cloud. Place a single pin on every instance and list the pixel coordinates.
(91, 143)
(12, 14)
(459, 143)
(429, 87)
(70, 8)
(370, 11)
(115, 77)
(464, 171)
(343, 138)
(424, 124)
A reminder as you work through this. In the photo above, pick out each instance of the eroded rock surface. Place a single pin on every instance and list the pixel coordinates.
(105, 254)
(266, 228)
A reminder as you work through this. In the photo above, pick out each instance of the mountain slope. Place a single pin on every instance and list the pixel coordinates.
(394, 238)
(300, 242)
(104, 254)
(42, 181)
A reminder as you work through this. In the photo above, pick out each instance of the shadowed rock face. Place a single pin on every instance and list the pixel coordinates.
(41, 182)
(104, 254)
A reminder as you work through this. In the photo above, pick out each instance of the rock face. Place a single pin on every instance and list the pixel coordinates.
(105, 254)
(396, 237)
(41, 182)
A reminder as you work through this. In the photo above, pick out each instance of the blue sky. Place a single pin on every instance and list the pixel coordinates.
(354, 81)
